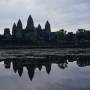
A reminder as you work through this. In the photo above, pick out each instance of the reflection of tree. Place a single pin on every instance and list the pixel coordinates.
(32, 64)
(63, 65)
(82, 61)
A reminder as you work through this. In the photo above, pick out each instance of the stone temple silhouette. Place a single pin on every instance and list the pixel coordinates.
(32, 36)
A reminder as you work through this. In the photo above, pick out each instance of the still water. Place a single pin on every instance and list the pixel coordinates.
(50, 73)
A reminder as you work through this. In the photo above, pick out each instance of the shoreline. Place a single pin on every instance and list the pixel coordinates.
(36, 53)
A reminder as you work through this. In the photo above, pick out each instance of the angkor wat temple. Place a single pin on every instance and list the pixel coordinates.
(33, 36)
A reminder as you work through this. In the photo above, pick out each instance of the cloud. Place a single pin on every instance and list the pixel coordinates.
(68, 14)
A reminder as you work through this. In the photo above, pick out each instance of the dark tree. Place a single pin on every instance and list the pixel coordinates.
(80, 34)
(61, 34)
(70, 36)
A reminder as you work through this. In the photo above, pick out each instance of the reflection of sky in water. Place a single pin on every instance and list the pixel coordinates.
(71, 78)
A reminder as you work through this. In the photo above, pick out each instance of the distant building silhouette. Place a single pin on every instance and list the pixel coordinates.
(30, 24)
(47, 27)
(14, 28)
(19, 30)
(32, 36)
(7, 34)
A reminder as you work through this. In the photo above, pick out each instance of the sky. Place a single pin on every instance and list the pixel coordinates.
(62, 14)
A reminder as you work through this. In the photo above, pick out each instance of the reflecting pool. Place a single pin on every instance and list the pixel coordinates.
(45, 73)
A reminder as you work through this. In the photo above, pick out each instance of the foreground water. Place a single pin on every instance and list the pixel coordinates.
(45, 73)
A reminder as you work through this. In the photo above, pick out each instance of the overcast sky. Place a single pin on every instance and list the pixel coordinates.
(67, 14)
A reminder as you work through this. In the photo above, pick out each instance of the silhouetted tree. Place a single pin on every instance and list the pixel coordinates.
(70, 37)
(80, 34)
(61, 34)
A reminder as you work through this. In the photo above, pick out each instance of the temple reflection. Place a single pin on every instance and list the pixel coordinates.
(33, 63)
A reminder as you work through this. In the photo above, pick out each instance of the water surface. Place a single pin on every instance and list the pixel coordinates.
(45, 73)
